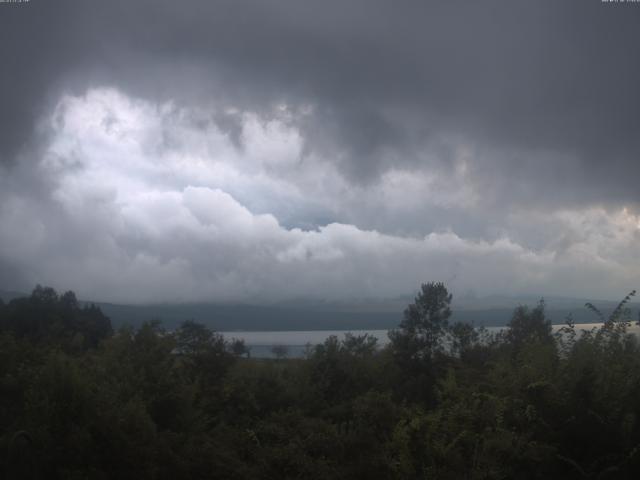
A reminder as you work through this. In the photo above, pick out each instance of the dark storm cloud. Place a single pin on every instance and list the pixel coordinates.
(546, 91)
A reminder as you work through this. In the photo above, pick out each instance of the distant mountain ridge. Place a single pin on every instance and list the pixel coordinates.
(263, 318)
(8, 295)
(342, 315)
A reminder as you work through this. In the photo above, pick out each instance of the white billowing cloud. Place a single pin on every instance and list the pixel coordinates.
(148, 202)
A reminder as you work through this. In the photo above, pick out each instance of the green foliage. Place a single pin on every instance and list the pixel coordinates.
(47, 318)
(440, 401)
(420, 340)
(529, 326)
(425, 323)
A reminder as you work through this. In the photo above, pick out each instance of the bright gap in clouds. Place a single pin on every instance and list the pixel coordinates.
(147, 202)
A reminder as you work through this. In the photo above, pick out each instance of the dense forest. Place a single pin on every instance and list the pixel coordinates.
(442, 400)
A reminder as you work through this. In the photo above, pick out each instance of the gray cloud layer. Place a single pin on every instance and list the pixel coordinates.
(493, 121)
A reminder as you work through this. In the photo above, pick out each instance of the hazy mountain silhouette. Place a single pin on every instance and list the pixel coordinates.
(306, 314)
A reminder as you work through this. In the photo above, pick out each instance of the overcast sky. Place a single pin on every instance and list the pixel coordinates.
(283, 149)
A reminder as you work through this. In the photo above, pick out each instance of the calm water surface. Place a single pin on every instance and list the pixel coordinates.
(296, 342)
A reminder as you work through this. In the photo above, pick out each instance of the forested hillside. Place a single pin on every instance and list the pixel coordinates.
(442, 400)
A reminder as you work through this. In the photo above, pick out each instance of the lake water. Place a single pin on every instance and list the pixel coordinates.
(296, 342)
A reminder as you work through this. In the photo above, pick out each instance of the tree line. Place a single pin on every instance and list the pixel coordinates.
(442, 400)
